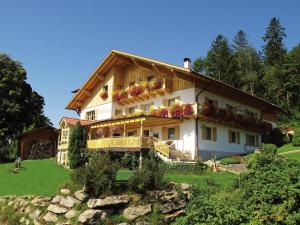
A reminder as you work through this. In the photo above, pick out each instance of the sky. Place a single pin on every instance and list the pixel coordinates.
(61, 42)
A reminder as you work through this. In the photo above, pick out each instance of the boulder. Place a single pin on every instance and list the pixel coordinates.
(56, 199)
(169, 195)
(124, 223)
(68, 202)
(110, 201)
(133, 212)
(171, 217)
(65, 191)
(171, 207)
(56, 209)
(89, 216)
(80, 195)
(35, 215)
(71, 214)
(185, 187)
(50, 217)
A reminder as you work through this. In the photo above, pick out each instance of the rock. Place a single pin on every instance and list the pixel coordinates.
(169, 195)
(71, 214)
(40, 202)
(56, 199)
(171, 207)
(187, 194)
(133, 212)
(35, 215)
(171, 217)
(142, 223)
(56, 209)
(50, 217)
(135, 198)
(124, 223)
(65, 191)
(36, 222)
(28, 210)
(22, 220)
(27, 222)
(68, 202)
(185, 187)
(90, 215)
(80, 195)
(110, 201)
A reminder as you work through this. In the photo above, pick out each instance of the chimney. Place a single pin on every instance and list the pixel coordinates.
(187, 63)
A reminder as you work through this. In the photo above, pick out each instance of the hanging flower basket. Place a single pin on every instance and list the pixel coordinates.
(104, 95)
(176, 111)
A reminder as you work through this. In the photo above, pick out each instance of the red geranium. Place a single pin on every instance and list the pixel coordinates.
(188, 110)
(136, 90)
(176, 111)
(163, 112)
(104, 95)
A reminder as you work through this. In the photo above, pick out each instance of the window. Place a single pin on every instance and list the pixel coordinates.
(132, 83)
(131, 109)
(132, 133)
(150, 77)
(118, 112)
(234, 137)
(64, 134)
(146, 133)
(251, 114)
(171, 133)
(252, 140)
(90, 115)
(146, 107)
(209, 133)
(105, 88)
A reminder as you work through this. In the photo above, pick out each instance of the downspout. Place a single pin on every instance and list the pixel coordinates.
(197, 120)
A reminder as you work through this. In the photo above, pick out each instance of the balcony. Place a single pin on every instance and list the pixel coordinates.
(143, 91)
(120, 143)
(211, 113)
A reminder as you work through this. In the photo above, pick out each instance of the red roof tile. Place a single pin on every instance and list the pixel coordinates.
(73, 121)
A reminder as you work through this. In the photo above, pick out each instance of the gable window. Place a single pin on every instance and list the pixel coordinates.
(118, 112)
(209, 133)
(105, 88)
(91, 115)
(233, 137)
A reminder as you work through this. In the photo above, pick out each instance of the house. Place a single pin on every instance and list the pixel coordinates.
(27, 139)
(133, 103)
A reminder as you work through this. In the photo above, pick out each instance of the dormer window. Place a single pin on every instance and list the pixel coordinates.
(91, 115)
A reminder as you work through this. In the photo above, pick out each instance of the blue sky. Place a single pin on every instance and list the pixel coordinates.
(60, 42)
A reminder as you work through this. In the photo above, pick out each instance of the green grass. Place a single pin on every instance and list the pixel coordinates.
(287, 148)
(295, 156)
(224, 179)
(40, 177)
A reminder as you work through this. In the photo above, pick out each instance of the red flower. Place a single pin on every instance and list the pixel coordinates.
(188, 110)
(176, 111)
(116, 96)
(136, 90)
(163, 112)
(104, 95)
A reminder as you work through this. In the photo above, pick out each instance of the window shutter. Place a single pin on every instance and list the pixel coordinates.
(204, 135)
(165, 102)
(214, 134)
(229, 136)
(177, 132)
(164, 133)
(238, 137)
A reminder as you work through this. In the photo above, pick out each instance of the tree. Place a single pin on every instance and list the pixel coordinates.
(200, 65)
(19, 104)
(274, 49)
(77, 146)
(296, 138)
(220, 63)
(240, 40)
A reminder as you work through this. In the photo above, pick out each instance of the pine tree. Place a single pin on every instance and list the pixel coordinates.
(77, 145)
(274, 49)
(240, 40)
(220, 63)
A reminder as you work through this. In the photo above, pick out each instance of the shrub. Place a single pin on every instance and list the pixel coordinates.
(130, 161)
(229, 160)
(77, 147)
(296, 138)
(78, 176)
(183, 168)
(101, 175)
(276, 137)
(149, 177)
(9, 152)
(41, 150)
(268, 153)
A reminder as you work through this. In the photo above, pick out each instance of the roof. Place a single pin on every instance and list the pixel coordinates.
(117, 57)
(37, 130)
(73, 121)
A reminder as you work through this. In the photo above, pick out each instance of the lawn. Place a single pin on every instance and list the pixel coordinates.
(287, 148)
(295, 156)
(44, 177)
(40, 177)
(224, 179)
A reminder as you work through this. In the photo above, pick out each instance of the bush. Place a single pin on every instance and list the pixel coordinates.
(276, 137)
(229, 160)
(78, 176)
(149, 177)
(100, 176)
(183, 168)
(130, 160)
(268, 153)
(296, 138)
(41, 150)
(9, 152)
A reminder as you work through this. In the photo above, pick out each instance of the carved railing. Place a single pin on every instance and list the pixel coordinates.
(120, 142)
(161, 148)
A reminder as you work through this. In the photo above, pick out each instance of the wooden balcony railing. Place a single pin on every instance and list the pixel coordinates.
(120, 142)
(161, 148)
